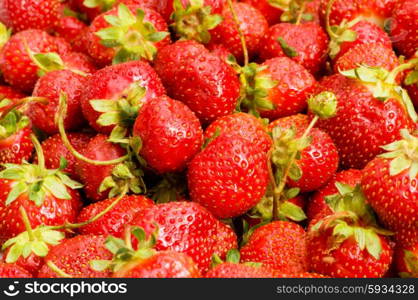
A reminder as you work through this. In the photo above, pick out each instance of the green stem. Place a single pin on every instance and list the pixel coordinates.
(327, 16)
(301, 12)
(57, 270)
(395, 72)
(26, 222)
(39, 151)
(22, 102)
(241, 35)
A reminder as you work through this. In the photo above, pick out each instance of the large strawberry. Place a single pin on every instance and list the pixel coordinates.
(229, 176)
(226, 240)
(13, 271)
(170, 133)
(113, 95)
(198, 78)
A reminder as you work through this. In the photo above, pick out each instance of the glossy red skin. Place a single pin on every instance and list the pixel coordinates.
(309, 40)
(205, 83)
(114, 221)
(401, 263)
(280, 245)
(163, 7)
(31, 264)
(91, 13)
(363, 123)
(367, 33)
(73, 256)
(184, 227)
(22, 14)
(294, 86)
(246, 125)
(103, 55)
(69, 28)
(233, 270)
(373, 55)
(347, 260)
(79, 62)
(17, 147)
(406, 237)
(80, 42)
(317, 207)
(17, 68)
(229, 176)
(53, 149)
(404, 27)
(374, 10)
(165, 264)
(299, 121)
(53, 211)
(253, 26)
(13, 271)
(226, 240)
(302, 275)
(10, 93)
(171, 134)
(97, 149)
(50, 86)
(110, 83)
(272, 14)
(394, 198)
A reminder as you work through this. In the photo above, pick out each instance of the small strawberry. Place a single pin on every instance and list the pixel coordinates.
(307, 44)
(191, 74)
(302, 275)
(170, 132)
(10, 93)
(13, 271)
(280, 245)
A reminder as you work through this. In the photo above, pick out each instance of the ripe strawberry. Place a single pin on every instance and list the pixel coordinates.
(268, 8)
(91, 11)
(170, 132)
(280, 245)
(73, 257)
(317, 207)
(13, 271)
(22, 14)
(235, 270)
(307, 44)
(246, 125)
(184, 227)
(226, 240)
(51, 86)
(54, 150)
(120, 85)
(389, 184)
(253, 26)
(78, 63)
(403, 27)
(127, 33)
(114, 221)
(10, 93)
(17, 67)
(229, 176)
(191, 74)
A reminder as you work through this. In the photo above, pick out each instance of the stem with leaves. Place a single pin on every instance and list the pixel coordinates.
(241, 35)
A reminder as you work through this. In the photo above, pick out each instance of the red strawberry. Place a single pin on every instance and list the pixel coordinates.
(133, 36)
(119, 84)
(33, 14)
(54, 150)
(280, 245)
(184, 227)
(302, 275)
(91, 12)
(234, 270)
(15, 145)
(10, 93)
(198, 78)
(268, 8)
(229, 176)
(317, 207)
(73, 257)
(305, 43)
(70, 28)
(253, 26)
(51, 86)
(297, 121)
(226, 240)
(407, 262)
(13, 271)
(170, 133)
(404, 27)
(246, 125)
(114, 221)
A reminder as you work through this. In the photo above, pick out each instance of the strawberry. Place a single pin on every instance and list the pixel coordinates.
(13, 271)
(22, 15)
(388, 183)
(307, 44)
(114, 221)
(91, 9)
(72, 258)
(229, 176)
(318, 206)
(270, 9)
(127, 33)
(52, 86)
(184, 227)
(297, 121)
(407, 262)
(280, 245)
(10, 93)
(119, 88)
(246, 125)
(54, 150)
(226, 240)
(78, 63)
(252, 24)
(403, 27)
(191, 74)
(170, 133)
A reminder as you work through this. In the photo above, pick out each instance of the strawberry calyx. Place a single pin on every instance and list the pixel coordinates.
(288, 50)
(130, 35)
(194, 21)
(411, 262)
(341, 34)
(11, 119)
(293, 10)
(232, 256)
(103, 5)
(171, 188)
(403, 154)
(5, 34)
(280, 4)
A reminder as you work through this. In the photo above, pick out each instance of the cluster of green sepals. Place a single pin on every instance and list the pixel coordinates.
(11, 119)
(103, 5)
(293, 10)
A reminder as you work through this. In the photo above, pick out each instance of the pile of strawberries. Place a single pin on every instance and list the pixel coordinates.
(209, 138)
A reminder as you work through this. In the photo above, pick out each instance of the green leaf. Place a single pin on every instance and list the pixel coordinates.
(100, 265)
(360, 237)
(373, 244)
(18, 189)
(288, 50)
(399, 164)
(292, 211)
(411, 78)
(48, 61)
(63, 163)
(292, 193)
(233, 256)
(40, 248)
(56, 187)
